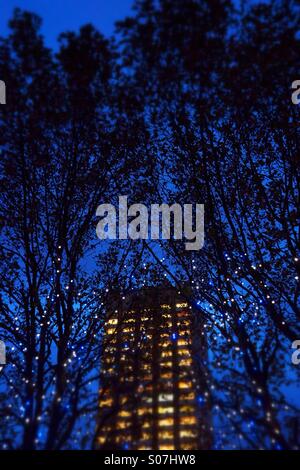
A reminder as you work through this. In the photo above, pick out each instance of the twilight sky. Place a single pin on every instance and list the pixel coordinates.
(62, 15)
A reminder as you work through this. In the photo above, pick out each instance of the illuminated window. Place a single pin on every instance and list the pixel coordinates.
(165, 410)
(146, 425)
(129, 320)
(183, 384)
(182, 342)
(188, 433)
(107, 402)
(101, 440)
(110, 350)
(148, 400)
(183, 352)
(166, 422)
(183, 305)
(185, 332)
(166, 435)
(167, 315)
(124, 414)
(120, 439)
(122, 424)
(166, 307)
(189, 396)
(166, 375)
(128, 330)
(188, 420)
(187, 409)
(165, 397)
(187, 446)
(166, 364)
(185, 362)
(112, 321)
(111, 331)
(166, 447)
(166, 354)
(142, 411)
(165, 344)
(108, 360)
(183, 325)
(164, 335)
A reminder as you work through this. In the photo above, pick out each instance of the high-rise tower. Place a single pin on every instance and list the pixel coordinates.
(153, 387)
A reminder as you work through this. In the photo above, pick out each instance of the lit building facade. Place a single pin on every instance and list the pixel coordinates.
(153, 378)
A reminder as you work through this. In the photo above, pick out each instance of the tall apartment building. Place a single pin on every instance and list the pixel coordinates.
(153, 378)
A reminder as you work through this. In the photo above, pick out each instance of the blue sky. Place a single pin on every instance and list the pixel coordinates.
(62, 15)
